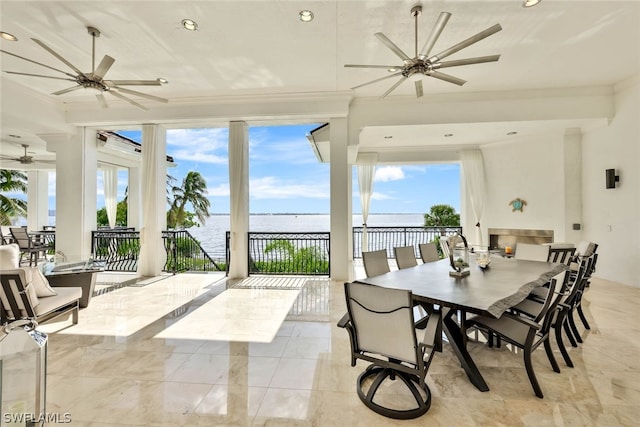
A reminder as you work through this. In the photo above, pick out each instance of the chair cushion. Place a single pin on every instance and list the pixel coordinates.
(9, 256)
(41, 284)
(65, 296)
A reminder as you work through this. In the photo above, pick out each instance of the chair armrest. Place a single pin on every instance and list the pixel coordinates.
(432, 331)
(342, 323)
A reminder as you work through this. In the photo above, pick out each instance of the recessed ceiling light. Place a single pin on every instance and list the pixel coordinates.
(8, 36)
(512, 133)
(448, 135)
(530, 3)
(163, 81)
(393, 70)
(189, 24)
(305, 16)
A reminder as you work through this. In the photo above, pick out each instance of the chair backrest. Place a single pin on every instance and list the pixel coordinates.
(532, 252)
(444, 246)
(383, 321)
(561, 255)
(21, 237)
(429, 252)
(375, 262)
(17, 296)
(405, 256)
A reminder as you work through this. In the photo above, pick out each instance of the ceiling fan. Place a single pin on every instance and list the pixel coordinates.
(95, 79)
(25, 159)
(424, 65)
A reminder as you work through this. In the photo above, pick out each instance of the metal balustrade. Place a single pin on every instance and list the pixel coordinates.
(389, 237)
(289, 253)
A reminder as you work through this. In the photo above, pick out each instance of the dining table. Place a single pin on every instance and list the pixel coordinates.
(486, 291)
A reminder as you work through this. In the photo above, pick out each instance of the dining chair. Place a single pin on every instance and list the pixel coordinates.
(405, 257)
(524, 332)
(375, 262)
(532, 252)
(381, 327)
(561, 255)
(27, 245)
(428, 252)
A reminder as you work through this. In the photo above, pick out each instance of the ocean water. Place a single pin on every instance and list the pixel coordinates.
(212, 234)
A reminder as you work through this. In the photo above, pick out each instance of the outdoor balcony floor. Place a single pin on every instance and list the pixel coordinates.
(164, 354)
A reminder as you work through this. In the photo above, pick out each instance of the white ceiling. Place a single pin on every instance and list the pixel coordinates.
(260, 47)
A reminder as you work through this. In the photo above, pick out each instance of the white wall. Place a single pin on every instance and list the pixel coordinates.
(530, 169)
(612, 216)
(534, 170)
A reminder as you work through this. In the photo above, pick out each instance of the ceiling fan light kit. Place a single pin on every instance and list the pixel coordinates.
(95, 79)
(422, 64)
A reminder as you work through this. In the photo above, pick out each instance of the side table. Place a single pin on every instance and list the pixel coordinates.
(74, 274)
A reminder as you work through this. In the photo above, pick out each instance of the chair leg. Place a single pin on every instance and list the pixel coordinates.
(552, 359)
(560, 342)
(567, 330)
(574, 328)
(531, 374)
(582, 317)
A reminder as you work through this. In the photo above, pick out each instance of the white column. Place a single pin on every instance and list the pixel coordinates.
(341, 257)
(154, 204)
(76, 169)
(572, 186)
(37, 199)
(239, 198)
(134, 198)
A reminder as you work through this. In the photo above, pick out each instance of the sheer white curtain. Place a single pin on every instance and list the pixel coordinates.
(473, 169)
(110, 186)
(366, 163)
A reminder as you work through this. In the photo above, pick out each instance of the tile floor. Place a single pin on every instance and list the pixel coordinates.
(115, 369)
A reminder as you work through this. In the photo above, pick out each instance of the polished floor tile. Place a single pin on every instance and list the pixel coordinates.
(146, 356)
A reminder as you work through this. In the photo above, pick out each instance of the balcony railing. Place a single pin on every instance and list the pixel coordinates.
(389, 237)
(288, 253)
(119, 250)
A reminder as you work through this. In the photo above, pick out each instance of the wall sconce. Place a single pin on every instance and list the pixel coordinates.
(612, 178)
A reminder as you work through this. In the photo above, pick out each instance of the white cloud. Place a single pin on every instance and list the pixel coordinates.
(273, 188)
(221, 190)
(198, 145)
(388, 173)
(381, 196)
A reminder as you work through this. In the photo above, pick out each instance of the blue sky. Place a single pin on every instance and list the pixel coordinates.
(285, 176)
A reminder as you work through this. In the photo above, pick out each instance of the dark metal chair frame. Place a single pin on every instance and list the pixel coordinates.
(537, 332)
(28, 246)
(387, 366)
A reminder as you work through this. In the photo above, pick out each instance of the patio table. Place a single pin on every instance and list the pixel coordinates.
(488, 292)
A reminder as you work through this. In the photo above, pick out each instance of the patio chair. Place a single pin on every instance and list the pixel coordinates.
(561, 255)
(375, 262)
(428, 252)
(405, 256)
(28, 246)
(380, 323)
(532, 252)
(524, 332)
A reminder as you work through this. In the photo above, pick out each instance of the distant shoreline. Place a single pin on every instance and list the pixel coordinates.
(295, 213)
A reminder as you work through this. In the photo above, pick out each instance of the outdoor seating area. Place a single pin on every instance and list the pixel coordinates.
(304, 375)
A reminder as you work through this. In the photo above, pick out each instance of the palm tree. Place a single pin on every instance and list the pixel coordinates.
(10, 207)
(441, 216)
(192, 191)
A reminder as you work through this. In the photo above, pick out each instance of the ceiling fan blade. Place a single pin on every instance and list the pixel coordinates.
(435, 34)
(54, 53)
(132, 82)
(372, 66)
(391, 45)
(37, 63)
(103, 67)
(467, 61)
(102, 100)
(446, 78)
(419, 91)
(377, 80)
(40, 75)
(392, 88)
(69, 89)
(143, 95)
(129, 100)
(466, 43)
